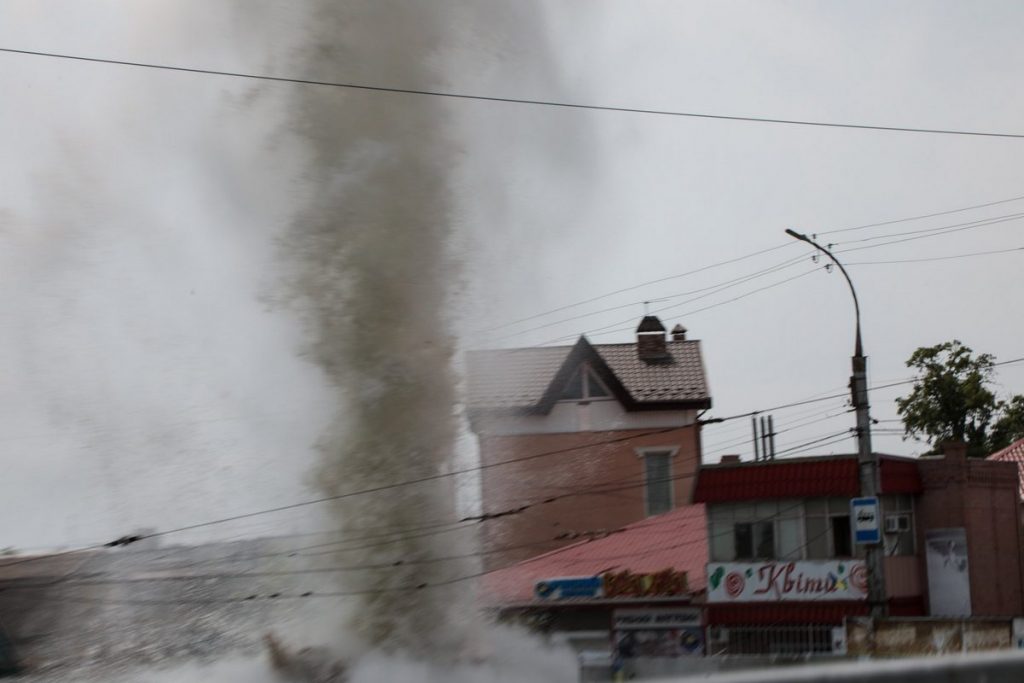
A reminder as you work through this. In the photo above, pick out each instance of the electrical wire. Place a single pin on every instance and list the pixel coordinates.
(604, 330)
(737, 259)
(507, 100)
(128, 541)
(934, 258)
(718, 287)
(922, 216)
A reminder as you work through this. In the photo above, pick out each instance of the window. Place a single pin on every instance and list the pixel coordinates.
(899, 542)
(754, 540)
(658, 478)
(767, 530)
(841, 541)
(827, 529)
(812, 529)
(583, 386)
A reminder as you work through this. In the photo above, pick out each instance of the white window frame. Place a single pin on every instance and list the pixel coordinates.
(642, 453)
(586, 370)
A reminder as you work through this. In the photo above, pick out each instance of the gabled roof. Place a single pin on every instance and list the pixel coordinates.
(1012, 453)
(676, 540)
(800, 478)
(531, 379)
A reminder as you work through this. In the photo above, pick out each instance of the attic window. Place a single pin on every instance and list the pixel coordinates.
(583, 385)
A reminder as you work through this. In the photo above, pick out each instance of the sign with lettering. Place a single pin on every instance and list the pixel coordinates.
(657, 632)
(569, 587)
(658, 617)
(780, 581)
(865, 516)
(626, 584)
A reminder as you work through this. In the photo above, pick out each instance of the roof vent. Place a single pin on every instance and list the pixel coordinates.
(678, 333)
(729, 459)
(650, 340)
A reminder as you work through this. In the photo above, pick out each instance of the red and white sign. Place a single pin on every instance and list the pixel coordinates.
(787, 581)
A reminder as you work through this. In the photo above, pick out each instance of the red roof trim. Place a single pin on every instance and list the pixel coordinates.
(805, 478)
(778, 614)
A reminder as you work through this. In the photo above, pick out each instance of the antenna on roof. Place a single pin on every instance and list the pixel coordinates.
(763, 438)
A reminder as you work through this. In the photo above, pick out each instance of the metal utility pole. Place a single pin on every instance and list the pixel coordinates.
(866, 457)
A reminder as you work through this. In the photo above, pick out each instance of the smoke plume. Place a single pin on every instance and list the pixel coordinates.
(372, 272)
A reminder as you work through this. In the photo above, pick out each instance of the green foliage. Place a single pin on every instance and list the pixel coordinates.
(951, 399)
(1009, 425)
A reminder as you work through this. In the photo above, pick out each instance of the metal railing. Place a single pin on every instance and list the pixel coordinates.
(789, 641)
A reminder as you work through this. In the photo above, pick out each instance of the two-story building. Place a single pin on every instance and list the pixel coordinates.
(784, 569)
(590, 437)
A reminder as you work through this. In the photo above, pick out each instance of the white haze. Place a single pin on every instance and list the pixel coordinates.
(515, 658)
(253, 304)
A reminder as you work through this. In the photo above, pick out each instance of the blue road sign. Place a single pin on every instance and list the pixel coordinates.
(866, 521)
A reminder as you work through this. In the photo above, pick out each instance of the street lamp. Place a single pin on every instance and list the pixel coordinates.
(866, 458)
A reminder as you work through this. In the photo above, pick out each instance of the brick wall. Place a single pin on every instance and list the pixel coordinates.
(982, 497)
(592, 464)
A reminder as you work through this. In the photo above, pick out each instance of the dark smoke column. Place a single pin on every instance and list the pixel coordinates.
(371, 268)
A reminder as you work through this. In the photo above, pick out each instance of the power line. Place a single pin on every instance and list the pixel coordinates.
(737, 259)
(818, 443)
(914, 235)
(437, 584)
(639, 286)
(133, 539)
(826, 398)
(509, 100)
(717, 287)
(935, 258)
(605, 330)
(925, 215)
(938, 233)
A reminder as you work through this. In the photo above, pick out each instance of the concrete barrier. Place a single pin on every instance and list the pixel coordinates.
(989, 667)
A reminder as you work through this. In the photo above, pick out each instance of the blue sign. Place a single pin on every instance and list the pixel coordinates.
(569, 587)
(865, 520)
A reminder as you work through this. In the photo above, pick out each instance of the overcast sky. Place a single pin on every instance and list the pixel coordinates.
(152, 378)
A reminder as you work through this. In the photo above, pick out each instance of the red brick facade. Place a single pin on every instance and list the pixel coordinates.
(551, 465)
(982, 497)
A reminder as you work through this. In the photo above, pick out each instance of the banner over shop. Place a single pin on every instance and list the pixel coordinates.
(787, 581)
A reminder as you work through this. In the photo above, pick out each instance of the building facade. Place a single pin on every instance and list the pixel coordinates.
(785, 570)
(576, 440)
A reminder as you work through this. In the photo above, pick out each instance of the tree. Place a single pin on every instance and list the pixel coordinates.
(951, 399)
(1009, 426)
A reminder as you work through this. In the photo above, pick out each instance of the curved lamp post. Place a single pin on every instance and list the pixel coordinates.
(866, 458)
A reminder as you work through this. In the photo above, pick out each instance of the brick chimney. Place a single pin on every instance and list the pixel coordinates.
(954, 451)
(650, 340)
(678, 333)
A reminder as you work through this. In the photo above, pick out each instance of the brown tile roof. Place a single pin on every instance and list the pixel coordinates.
(522, 378)
(1013, 453)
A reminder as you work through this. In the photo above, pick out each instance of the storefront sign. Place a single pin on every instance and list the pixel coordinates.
(661, 617)
(569, 587)
(864, 513)
(657, 632)
(625, 584)
(787, 581)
